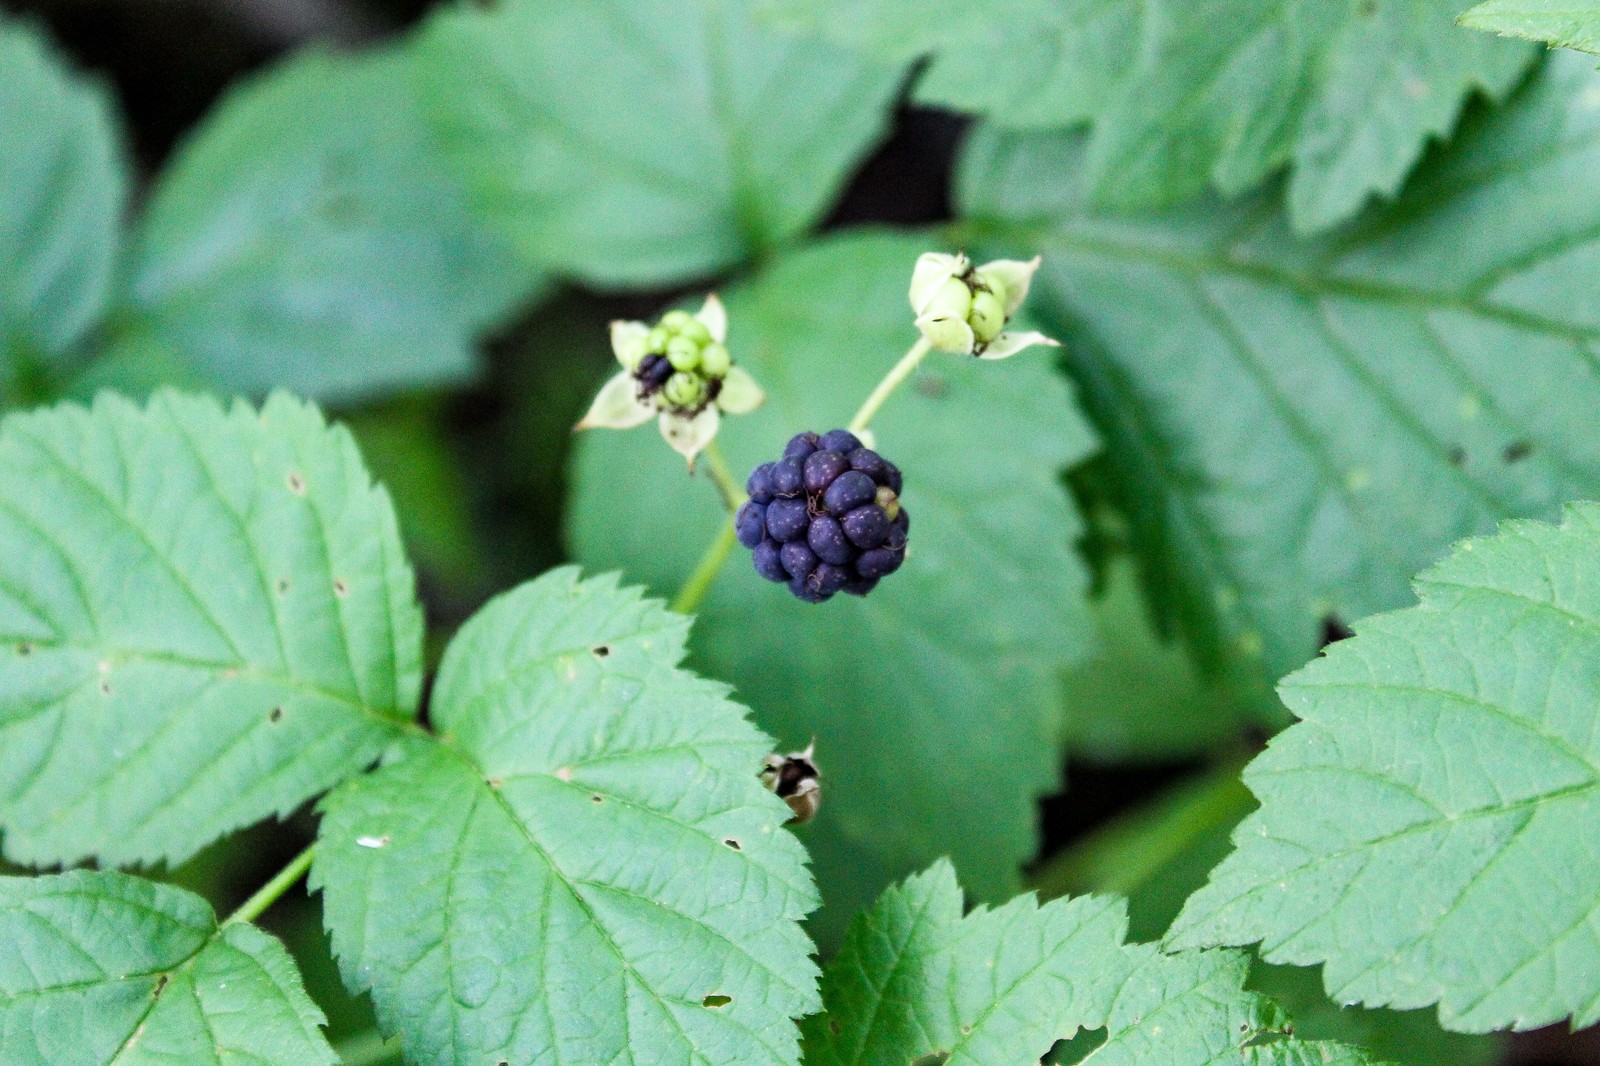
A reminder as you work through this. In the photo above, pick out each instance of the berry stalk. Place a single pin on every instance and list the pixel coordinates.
(268, 894)
(892, 380)
(695, 588)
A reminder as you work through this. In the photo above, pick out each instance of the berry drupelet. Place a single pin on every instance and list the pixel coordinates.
(826, 517)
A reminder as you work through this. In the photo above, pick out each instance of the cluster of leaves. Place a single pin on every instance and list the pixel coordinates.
(1294, 401)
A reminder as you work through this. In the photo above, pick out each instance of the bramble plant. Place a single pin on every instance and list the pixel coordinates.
(1327, 483)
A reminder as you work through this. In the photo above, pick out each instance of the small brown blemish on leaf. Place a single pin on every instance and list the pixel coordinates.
(283, 586)
(834, 1027)
(275, 715)
(597, 798)
(1458, 456)
(105, 687)
(297, 483)
(715, 1000)
(340, 589)
(564, 773)
(494, 782)
(602, 650)
(1517, 451)
(161, 985)
(734, 844)
(24, 649)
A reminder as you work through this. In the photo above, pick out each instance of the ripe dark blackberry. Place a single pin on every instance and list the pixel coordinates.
(826, 517)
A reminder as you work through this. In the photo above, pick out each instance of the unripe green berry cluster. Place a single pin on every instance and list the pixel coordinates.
(679, 363)
(977, 298)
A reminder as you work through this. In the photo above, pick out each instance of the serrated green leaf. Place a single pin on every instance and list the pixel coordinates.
(206, 618)
(915, 979)
(101, 968)
(1429, 829)
(1297, 428)
(587, 868)
(642, 141)
(936, 701)
(1190, 95)
(63, 186)
(1565, 23)
(310, 237)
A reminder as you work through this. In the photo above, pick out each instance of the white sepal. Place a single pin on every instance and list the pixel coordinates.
(1014, 277)
(617, 406)
(933, 269)
(689, 435)
(714, 317)
(1008, 344)
(947, 334)
(740, 394)
(628, 343)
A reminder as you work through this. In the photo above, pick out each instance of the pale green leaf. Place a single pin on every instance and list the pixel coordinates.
(586, 867)
(103, 969)
(63, 184)
(1565, 23)
(935, 701)
(1186, 95)
(310, 237)
(1429, 830)
(916, 981)
(205, 618)
(632, 141)
(1296, 428)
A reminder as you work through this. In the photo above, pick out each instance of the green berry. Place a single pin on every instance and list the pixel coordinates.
(656, 340)
(995, 285)
(683, 390)
(988, 316)
(683, 353)
(695, 330)
(675, 321)
(953, 299)
(715, 360)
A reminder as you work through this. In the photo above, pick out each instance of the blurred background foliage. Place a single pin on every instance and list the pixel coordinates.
(1325, 279)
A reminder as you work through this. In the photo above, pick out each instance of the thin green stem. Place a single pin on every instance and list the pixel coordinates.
(891, 381)
(1130, 851)
(694, 590)
(733, 495)
(268, 894)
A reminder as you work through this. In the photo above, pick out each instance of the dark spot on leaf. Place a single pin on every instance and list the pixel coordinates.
(105, 688)
(494, 782)
(275, 715)
(24, 649)
(717, 1001)
(597, 798)
(1458, 456)
(161, 984)
(283, 586)
(834, 1027)
(930, 385)
(1333, 630)
(297, 484)
(602, 650)
(734, 844)
(340, 588)
(1518, 450)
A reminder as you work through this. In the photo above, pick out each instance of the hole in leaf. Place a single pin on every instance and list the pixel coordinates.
(275, 715)
(1333, 630)
(1458, 456)
(602, 650)
(933, 1058)
(1518, 450)
(734, 844)
(340, 588)
(717, 1001)
(297, 484)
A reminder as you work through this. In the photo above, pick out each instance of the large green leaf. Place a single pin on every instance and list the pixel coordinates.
(633, 141)
(1190, 94)
(587, 867)
(1568, 23)
(309, 237)
(1430, 830)
(63, 183)
(205, 618)
(1296, 428)
(101, 968)
(917, 982)
(936, 701)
